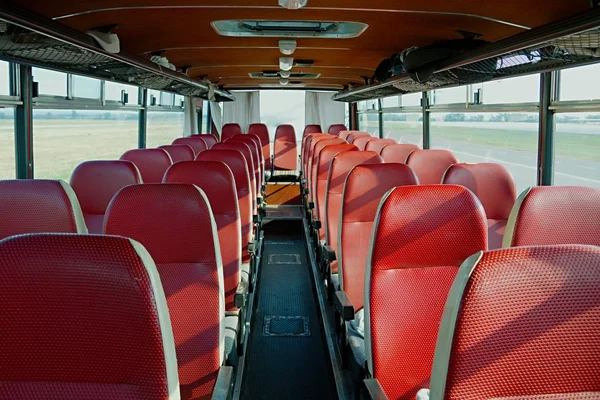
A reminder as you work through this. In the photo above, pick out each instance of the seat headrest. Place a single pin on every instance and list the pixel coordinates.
(285, 130)
(327, 154)
(230, 130)
(152, 163)
(236, 162)
(312, 128)
(429, 165)
(398, 152)
(197, 143)
(209, 139)
(354, 135)
(335, 129)
(179, 152)
(377, 144)
(343, 163)
(32, 206)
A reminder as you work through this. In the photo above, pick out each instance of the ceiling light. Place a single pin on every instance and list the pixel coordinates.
(286, 63)
(283, 81)
(287, 47)
(292, 4)
(284, 74)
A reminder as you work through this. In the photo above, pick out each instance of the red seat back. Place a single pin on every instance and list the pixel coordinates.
(354, 135)
(364, 188)
(238, 166)
(340, 167)
(217, 181)
(421, 236)
(254, 143)
(285, 152)
(495, 188)
(319, 145)
(262, 132)
(197, 143)
(522, 323)
(344, 134)
(335, 129)
(209, 139)
(152, 163)
(83, 317)
(306, 143)
(547, 215)
(252, 170)
(429, 165)
(32, 206)
(230, 130)
(96, 182)
(377, 144)
(397, 152)
(312, 128)
(179, 152)
(175, 224)
(362, 141)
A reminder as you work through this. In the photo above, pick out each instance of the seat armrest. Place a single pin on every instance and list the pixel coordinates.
(374, 390)
(223, 385)
(241, 293)
(343, 305)
(329, 253)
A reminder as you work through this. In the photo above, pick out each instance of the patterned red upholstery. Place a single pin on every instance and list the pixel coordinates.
(362, 141)
(285, 152)
(354, 135)
(209, 139)
(312, 128)
(31, 206)
(96, 182)
(546, 215)
(526, 326)
(364, 188)
(197, 143)
(83, 317)
(238, 166)
(429, 165)
(306, 143)
(254, 143)
(152, 163)
(335, 129)
(217, 181)
(341, 165)
(317, 145)
(420, 237)
(495, 188)
(377, 145)
(175, 224)
(397, 152)
(252, 169)
(230, 130)
(179, 152)
(262, 132)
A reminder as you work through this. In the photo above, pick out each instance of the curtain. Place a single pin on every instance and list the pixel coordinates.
(321, 110)
(190, 120)
(216, 115)
(245, 110)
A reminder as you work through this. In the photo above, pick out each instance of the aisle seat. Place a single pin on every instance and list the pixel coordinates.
(246, 151)
(262, 132)
(397, 152)
(285, 151)
(312, 128)
(197, 143)
(254, 143)
(355, 135)
(152, 163)
(317, 146)
(209, 139)
(362, 141)
(344, 134)
(377, 144)
(179, 152)
(305, 146)
(430, 165)
(335, 129)
(230, 130)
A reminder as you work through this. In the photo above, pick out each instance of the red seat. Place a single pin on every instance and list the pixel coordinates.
(32, 206)
(252, 169)
(230, 130)
(421, 235)
(152, 163)
(341, 165)
(179, 152)
(197, 143)
(495, 188)
(344, 134)
(285, 152)
(312, 128)
(262, 132)
(377, 144)
(175, 224)
(522, 323)
(397, 152)
(429, 165)
(547, 215)
(335, 129)
(254, 143)
(83, 317)
(362, 141)
(238, 166)
(209, 139)
(354, 135)
(216, 180)
(96, 182)
(317, 146)
(306, 143)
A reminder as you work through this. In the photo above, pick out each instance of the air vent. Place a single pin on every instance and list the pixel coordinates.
(275, 75)
(295, 29)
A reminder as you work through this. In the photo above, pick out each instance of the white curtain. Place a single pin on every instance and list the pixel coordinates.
(321, 110)
(216, 115)
(190, 121)
(245, 110)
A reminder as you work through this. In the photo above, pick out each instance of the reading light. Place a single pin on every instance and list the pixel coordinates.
(286, 63)
(284, 74)
(287, 47)
(292, 4)
(283, 81)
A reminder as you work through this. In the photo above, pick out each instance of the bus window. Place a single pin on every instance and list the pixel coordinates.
(403, 127)
(112, 92)
(369, 122)
(453, 95)
(163, 127)
(4, 78)
(279, 107)
(580, 83)
(524, 89)
(7, 143)
(84, 87)
(51, 83)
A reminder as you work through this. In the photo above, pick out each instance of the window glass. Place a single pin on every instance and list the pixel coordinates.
(369, 122)
(166, 99)
(403, 127)
(577, 149)
(388, 102)
(367, 105)
(204, 117)
(84, 87)
(7, 143)
(4, 79)
(178, 100)
(112, 92)
(411, 99)
(522, 89)
(581, 83)
(279, 107)
(509, 139)
(163, 127)
(64, 138)
(155, 94)
(449, 95)
(50, 82)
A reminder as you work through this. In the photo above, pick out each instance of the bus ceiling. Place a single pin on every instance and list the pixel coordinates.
(207, 48)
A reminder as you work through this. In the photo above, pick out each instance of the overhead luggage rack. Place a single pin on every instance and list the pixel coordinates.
(28, 38)
(567, 43)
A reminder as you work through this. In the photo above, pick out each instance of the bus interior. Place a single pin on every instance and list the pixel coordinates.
(299, 199)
